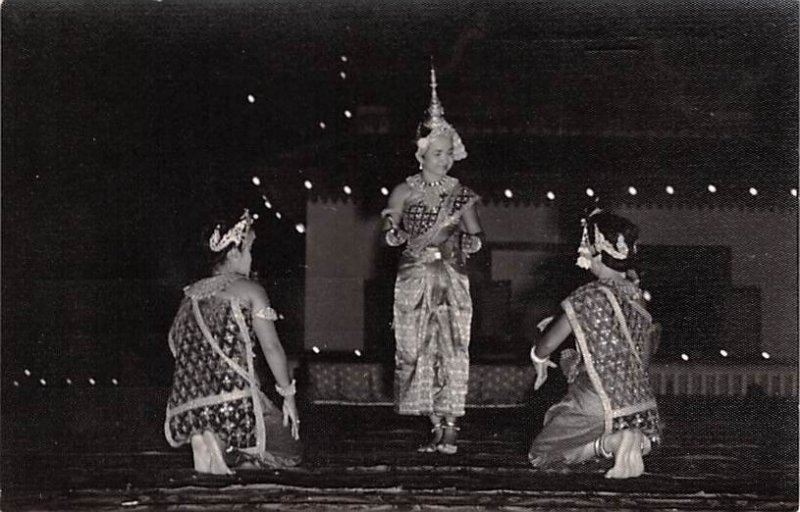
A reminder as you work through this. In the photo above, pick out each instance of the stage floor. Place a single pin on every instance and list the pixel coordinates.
(719, 454)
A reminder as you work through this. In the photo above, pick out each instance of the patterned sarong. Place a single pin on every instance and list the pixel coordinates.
(609, 386)
(215, 386)
(433, 310)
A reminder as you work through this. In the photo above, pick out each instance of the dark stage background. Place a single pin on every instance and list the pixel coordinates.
(127, 124)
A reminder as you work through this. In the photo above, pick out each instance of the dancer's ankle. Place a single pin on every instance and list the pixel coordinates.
(437, 431)
(607, 445)
(449, 438)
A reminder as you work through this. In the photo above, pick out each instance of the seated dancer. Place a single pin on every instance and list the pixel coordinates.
(609, 409)
(216, 403)
(435, 216)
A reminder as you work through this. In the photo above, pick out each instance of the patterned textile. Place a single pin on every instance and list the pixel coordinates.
(609, 385)
(419, 217)
(215, 386)
(433, 308)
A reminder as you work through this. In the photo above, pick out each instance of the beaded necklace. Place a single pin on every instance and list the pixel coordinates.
(434, 192)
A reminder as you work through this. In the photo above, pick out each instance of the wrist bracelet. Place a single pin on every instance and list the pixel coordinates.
(288, 391)
(536, 359)
(471, 243)
(394, 237)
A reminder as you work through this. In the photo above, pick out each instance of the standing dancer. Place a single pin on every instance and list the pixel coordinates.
(435, 216)
(609, 409)
(216, 403)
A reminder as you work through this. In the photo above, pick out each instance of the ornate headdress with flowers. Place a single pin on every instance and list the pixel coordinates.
(618, 250)
(236, 235)
(438, 126)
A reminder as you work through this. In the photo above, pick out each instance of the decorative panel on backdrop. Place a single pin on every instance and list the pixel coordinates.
(511, 385)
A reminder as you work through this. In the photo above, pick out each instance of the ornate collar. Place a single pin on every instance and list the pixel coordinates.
(442, 184)
(210, 285)
(625, 286)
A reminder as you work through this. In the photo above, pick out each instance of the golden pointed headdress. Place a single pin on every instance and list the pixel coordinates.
(435, 110)
(437, 126)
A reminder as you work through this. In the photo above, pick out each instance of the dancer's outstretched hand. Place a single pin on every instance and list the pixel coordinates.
(290, 415)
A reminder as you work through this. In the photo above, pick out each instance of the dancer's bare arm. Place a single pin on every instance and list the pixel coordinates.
(541, 351)
(273, 350)
(553, 337)
(394, 208)
(265, 331)
(470, 221)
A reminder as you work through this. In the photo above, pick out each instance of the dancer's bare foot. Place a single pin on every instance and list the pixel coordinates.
(218, 465)
(627, 448)
(200, 454)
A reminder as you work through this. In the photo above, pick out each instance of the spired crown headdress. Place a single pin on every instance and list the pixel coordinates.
(235, 235)
(619, 250)
(438, 126)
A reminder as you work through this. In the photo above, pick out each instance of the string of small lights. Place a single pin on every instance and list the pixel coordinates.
(28, 378)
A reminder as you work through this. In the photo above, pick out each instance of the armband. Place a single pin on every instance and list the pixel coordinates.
(266, 313)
